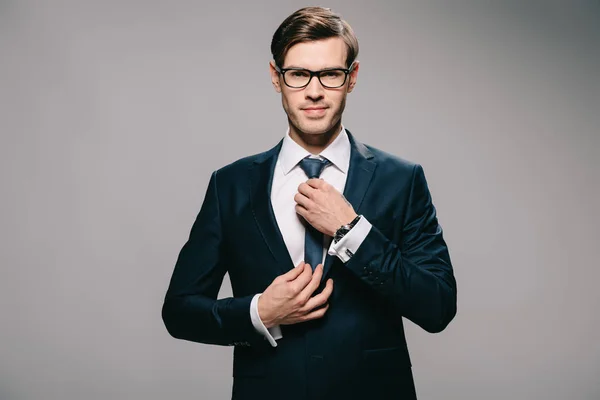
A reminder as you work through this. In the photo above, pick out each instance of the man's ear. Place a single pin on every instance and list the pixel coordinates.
(353, 76)
(274, 76)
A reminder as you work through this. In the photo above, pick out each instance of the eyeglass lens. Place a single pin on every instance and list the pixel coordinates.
(300, 77)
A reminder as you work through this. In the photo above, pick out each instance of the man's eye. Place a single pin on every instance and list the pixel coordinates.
(331, 74)
(299, 74)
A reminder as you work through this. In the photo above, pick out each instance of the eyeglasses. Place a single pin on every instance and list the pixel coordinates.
(298, 78)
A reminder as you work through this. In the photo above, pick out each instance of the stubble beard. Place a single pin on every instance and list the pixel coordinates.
(315, 131)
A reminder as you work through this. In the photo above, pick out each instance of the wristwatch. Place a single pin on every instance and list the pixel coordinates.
(341, 232)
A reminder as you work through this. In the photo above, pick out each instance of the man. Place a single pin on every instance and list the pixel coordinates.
(321, 280)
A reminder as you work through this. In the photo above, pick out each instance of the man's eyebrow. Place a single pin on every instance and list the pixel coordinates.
(322, 69)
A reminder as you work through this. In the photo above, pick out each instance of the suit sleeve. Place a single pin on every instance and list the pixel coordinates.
(191, 310)
(417, 276)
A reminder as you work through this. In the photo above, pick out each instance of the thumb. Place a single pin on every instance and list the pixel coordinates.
(294, 272)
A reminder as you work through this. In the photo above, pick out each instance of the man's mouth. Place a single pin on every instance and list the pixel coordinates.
(314, 110)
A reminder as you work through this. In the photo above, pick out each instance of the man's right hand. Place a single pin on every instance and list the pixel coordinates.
(288, 299)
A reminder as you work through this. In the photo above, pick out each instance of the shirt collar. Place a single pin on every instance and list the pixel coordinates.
(338, 152)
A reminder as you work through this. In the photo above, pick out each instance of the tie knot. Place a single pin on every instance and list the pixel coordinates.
(313, 166)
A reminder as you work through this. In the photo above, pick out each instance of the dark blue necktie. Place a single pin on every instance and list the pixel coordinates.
(313, 239)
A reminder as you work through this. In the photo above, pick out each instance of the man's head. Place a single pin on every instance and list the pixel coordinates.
(314, 39)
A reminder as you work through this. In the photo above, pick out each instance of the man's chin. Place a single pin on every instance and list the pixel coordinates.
(315, 128)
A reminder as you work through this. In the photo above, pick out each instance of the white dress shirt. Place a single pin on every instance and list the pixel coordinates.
(288, 175)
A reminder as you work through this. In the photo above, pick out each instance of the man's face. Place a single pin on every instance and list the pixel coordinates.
(314, 110)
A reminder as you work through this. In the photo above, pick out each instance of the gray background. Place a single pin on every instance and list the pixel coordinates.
(113, 114)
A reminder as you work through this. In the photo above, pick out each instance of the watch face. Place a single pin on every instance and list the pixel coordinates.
(341, 232)
(344, 229)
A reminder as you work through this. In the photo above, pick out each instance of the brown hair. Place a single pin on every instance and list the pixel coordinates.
(308, 24)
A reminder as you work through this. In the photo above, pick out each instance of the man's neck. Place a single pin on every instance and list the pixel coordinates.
(315, 144)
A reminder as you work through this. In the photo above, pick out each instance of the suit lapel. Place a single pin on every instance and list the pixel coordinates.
(261, 176)
(360, 173)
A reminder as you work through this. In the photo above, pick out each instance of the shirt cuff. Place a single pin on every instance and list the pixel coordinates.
(271, 334)
(349, 244)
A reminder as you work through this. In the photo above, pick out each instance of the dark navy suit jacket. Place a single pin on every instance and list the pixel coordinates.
(358, 349)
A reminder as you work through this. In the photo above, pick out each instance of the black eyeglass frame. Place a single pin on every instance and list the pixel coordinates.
(318, 73)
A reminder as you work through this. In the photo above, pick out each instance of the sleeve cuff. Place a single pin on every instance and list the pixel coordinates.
(271, 334)
(349, 244)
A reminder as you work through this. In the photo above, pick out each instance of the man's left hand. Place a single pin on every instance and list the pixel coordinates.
(323, 206)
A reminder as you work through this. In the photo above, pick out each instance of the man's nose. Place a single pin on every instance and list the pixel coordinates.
(314, 90)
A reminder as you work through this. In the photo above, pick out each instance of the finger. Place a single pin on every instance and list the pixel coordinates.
(316, 314)
(306, 189)
(302, 200)
(301, 211)
(294, 272)
(315, 183)
(302, 280)
(313, 284)
(320, 299)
